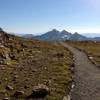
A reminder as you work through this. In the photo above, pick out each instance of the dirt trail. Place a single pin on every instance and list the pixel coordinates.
(87, 77)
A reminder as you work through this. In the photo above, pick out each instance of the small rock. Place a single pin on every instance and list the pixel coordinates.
(6, 99)
(67, 98)
(13, 57)
(34, 70)
(73, 86)
(9, 87)
(3, 91)
(5, 79)
(18, 93)
(45, 68)
(72, 70)
(3, 68)
(16, 76)
(91, 58)
(59, 55)
(72, 65)
(2, 62)
(47, 82)
(26, 86)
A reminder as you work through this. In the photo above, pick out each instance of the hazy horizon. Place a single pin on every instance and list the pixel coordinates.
(84, 34)
(36, 16)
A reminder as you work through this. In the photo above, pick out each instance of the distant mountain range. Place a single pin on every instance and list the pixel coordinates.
(56, 35)
(23, 35)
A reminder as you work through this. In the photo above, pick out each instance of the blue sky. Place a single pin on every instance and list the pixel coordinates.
(36, 16)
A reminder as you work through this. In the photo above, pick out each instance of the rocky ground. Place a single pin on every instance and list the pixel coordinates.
(32, 69)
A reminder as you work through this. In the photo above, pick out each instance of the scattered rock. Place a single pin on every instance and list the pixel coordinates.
(91, 58)
(16, 76)
(18, 93)
(6, 99)
(2, 62)
(2, 55)
(34, 70)
(45, 68)
(72, 65)
(98, 56)
(13, 57)
(5, 79)
(67, 98)
(73, 86)
(3, 91)
(72, 70)
(60, 55)
(9, 87)
(36, 52)
(26, 86)
(3, 68)
(47, 82)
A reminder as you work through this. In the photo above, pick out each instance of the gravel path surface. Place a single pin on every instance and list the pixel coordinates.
(87, 77)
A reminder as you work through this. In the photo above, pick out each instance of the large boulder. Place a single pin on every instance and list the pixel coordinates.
(40, 91)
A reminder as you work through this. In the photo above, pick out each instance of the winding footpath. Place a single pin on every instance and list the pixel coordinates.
(87, 77)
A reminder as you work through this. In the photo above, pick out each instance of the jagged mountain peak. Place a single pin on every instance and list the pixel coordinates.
(54, 35)
(64, 31)
(55, 30)
(76, 33)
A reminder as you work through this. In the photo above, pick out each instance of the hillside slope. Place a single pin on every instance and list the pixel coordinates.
(27, 64)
